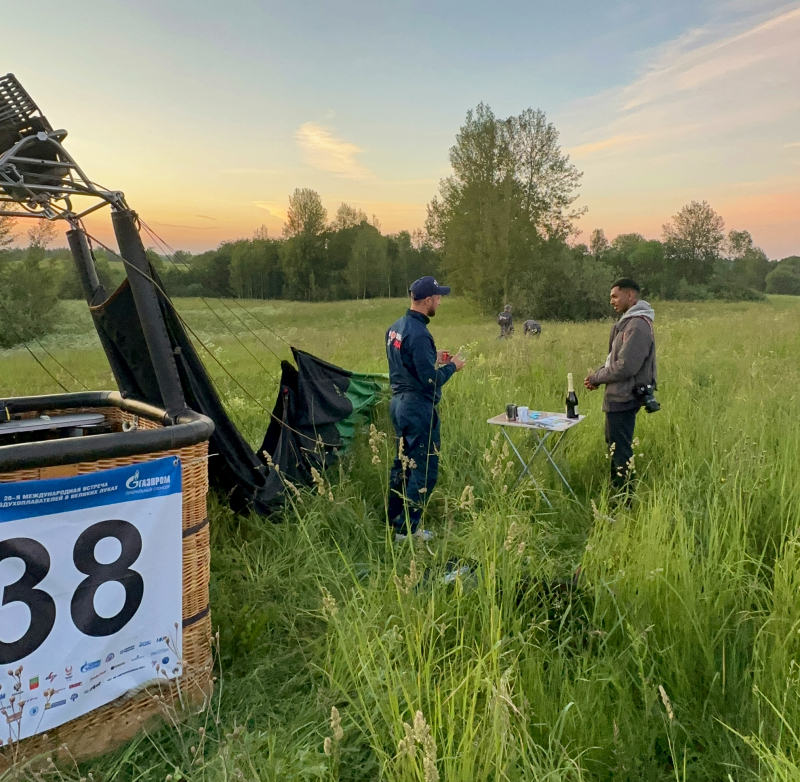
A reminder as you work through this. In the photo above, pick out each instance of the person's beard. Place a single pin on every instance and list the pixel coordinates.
(431, 310)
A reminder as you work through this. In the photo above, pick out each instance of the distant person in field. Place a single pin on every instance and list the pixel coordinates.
(530, 328)
(506, 321)
(630, 366)
(417, 372)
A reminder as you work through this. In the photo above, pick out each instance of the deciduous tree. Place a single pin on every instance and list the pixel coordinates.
(548, 182)
(598, 244)
(306, 214)
(348, 216)
(7, 236)
(694, 239)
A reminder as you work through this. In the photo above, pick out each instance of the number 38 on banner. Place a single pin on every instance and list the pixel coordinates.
(36, 559)
(90, 589)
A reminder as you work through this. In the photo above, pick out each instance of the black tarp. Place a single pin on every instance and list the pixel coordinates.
(233, 468)
(315, 415)
(313, 418)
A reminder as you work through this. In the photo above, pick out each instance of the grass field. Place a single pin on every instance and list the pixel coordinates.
(676, 657)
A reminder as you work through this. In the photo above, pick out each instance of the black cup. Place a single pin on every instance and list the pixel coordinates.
(511, 412)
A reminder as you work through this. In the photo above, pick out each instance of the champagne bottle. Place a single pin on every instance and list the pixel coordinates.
(572, 399)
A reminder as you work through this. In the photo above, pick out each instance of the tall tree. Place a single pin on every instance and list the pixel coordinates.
(368, 272)
(306, 214)
(472, 218)
(7, 225)
(28, 291)
(694, 240)
(511, 188)
(547, 180)
(348, 216)
(737, 244)
(42, 234)
(598, 244)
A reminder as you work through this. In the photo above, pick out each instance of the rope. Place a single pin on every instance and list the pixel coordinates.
(36, 358)
(52, 376)
(53, 358)
(191, 331)
(222, 321)
(220, 296)
(229, 405)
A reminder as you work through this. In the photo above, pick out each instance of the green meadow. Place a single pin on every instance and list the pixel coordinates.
(585, 642)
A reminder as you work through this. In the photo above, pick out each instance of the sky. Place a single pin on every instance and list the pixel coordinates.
(209, 114)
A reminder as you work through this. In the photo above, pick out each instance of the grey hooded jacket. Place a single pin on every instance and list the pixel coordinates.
(631, 359)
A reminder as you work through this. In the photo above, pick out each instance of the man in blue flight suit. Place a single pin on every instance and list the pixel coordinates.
(417, 373)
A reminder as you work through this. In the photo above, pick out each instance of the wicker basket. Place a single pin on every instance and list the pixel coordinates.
(106, 727)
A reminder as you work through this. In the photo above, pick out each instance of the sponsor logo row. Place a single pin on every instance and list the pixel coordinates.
(34, 682)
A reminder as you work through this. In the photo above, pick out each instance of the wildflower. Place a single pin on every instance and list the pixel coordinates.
(329, 607)
(467, 498)
(336, 724)
(319, 482)
(401, 455)
(376, 440)
(666, 701)
(327, 746)
(409, 581)
(408, 746)
(599, 516)
(292, 488)
(422, 735)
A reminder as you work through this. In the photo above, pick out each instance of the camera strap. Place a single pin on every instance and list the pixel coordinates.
(653, 346)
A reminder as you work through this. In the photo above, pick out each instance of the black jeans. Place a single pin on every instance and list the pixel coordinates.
(619, 438)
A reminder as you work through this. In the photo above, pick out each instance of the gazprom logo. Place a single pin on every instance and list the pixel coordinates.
(135, 483)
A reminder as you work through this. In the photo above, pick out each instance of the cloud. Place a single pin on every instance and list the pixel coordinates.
(684, 66)
(705, 82)
(704, 118)
(184, 227)
(607, 143)
(325, 152)
(275, 209)
(249, 171)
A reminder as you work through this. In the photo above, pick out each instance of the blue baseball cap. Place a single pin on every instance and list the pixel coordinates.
(427, 286)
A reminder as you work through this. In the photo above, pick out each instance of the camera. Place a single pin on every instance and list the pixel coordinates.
(645, 394)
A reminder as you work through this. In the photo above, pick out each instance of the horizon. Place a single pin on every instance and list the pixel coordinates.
(208, 118)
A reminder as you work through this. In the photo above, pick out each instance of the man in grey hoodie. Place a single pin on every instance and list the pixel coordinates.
(631, 364)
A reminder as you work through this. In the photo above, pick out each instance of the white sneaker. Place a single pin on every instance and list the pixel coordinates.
(421, 534)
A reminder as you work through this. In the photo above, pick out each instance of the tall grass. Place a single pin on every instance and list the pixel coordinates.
(582, 642)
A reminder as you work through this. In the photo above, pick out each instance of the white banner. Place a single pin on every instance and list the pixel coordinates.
(90, 591)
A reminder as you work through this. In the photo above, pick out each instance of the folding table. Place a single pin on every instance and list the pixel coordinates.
(543, 425)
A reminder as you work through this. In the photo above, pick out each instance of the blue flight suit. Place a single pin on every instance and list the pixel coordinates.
(416, 390)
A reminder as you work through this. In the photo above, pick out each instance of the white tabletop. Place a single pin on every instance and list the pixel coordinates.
(552, 422)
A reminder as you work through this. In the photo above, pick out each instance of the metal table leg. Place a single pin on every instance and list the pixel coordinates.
(526, 467)
(549, 454)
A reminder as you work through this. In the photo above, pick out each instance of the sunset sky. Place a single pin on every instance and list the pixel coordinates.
(208, 114)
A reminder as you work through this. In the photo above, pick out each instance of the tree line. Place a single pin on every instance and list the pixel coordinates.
(503, 228)
(314, 260)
